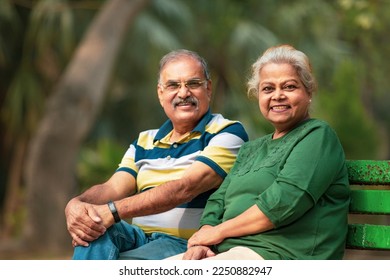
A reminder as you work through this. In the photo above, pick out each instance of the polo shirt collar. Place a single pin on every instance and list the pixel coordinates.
(168, 126)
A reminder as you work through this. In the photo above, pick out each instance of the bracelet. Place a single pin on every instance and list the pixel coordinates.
(114, 212)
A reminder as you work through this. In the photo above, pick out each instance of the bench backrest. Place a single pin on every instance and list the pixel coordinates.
(369, 221)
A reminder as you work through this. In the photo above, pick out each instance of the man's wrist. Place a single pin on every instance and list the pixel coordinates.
(114, 211)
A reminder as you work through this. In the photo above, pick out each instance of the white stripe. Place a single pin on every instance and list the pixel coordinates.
(185, 218)
(167, 163)
(226, 139)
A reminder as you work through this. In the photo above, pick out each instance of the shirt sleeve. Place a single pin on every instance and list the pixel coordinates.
(221, 151)
(127, 163)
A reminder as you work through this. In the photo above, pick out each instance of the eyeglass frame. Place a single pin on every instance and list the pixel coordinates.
(199, 83)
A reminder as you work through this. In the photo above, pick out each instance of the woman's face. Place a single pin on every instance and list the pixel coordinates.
(283, 99)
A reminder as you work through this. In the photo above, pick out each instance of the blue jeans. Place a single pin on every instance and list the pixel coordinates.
(129, 242)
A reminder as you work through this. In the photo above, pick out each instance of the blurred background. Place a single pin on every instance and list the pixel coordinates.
(78, 83)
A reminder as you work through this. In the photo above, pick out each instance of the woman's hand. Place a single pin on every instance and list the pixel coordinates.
(198, 253)
(206, 236)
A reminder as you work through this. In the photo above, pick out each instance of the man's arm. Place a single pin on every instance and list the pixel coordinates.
(197, 179)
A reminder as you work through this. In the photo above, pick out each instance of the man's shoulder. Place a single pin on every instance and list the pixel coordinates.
(220, 118)
(148, 133)
(146, 138)
(219, 121)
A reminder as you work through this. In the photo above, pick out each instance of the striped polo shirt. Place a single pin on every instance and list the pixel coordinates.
(153, 160)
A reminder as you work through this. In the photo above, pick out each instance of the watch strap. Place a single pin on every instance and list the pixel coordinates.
(114, 211)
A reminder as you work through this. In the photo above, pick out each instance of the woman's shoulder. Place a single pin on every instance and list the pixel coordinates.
(315, 124)
(317, 128)
(257, 142)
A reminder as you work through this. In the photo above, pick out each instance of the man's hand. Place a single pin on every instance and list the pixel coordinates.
(104, 212)
(198, 253)
(83, 222)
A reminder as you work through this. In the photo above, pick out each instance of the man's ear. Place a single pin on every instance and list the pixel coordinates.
(209, 88)
(160, 95)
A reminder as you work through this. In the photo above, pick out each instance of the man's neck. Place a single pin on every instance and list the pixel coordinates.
(176, 136)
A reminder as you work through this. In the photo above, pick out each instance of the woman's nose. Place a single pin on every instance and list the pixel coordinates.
(278, 94)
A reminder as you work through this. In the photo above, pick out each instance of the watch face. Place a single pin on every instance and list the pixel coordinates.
(114, 211)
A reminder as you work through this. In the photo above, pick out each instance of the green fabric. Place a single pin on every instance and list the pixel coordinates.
(300, 182)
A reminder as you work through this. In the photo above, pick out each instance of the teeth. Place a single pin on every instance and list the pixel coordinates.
(280, 107)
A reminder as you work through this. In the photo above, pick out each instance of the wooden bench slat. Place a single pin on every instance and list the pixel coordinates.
(368, 236)
(370, 202)
(369, 172)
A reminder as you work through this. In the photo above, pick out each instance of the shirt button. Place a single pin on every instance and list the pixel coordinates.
(168, 157)
(175, 145)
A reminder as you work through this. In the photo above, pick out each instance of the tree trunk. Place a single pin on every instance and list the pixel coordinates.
(71, 111)
(13, 195)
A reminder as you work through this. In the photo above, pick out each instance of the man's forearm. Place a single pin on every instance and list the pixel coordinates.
(157, 200)
(97, 194)
(196, 180)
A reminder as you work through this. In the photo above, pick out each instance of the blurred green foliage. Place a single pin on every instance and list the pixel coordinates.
(346, 41)
(97, 160)
(349, 112)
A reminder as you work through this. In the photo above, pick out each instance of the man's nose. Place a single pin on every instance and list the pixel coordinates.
(183, 91)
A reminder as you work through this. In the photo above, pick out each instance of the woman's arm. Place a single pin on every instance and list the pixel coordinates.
(251, 221)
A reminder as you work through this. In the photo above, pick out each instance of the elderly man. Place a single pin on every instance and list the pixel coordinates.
(165, 177)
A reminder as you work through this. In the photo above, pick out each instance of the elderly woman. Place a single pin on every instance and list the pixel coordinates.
(287, 195)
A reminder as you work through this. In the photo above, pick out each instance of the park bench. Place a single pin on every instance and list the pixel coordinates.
(369, 212)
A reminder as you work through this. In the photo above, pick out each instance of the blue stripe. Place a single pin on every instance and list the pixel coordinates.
(181, 150)
(238, 130)
(198, 202)
(128, 170)
(189, 147)
(213, 165)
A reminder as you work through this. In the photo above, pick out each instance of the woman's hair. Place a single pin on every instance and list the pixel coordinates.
(280, 55)
(174, 55)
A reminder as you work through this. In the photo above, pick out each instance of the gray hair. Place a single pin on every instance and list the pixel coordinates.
(174, 55)
(283, 54)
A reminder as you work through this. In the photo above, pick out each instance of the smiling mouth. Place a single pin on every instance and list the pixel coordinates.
(279, 108)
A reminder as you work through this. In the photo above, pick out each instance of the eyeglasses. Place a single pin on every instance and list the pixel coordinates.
(174, 86)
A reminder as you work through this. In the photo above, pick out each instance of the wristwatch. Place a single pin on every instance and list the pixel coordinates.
(114, 212)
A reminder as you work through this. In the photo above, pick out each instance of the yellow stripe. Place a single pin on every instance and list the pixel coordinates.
(145, 139)
(222, 156)
(182, 233)
(129, 163)
(152, 178)
(216, 126)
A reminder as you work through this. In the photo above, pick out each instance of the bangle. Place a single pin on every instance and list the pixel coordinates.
(114, 212)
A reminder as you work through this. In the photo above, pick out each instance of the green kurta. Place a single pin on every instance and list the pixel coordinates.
(300, 183)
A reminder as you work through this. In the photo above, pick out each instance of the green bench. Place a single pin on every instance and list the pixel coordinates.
(369, 218)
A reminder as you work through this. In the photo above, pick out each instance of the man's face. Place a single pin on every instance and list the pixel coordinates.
(184, 92)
